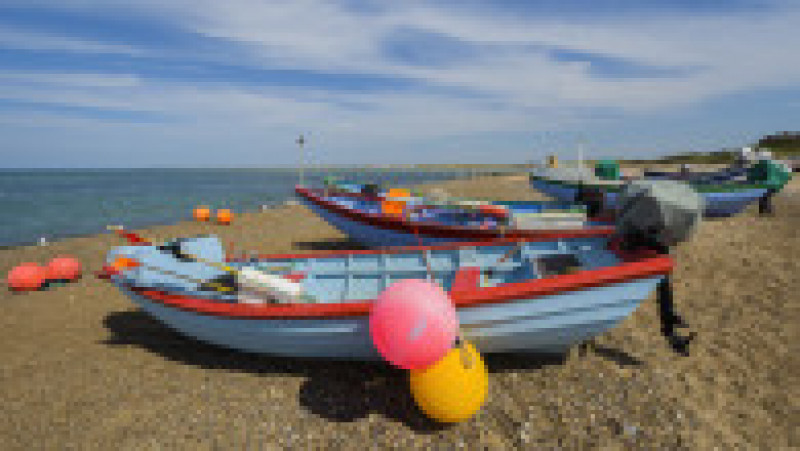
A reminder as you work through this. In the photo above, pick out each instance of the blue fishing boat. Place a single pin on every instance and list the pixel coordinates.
(722, 175)
(417, 221)
(720, 199)
(532, 295)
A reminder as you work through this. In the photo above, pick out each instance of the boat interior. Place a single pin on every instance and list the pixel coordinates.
(455, 216)
(347, 277)
(364, 276)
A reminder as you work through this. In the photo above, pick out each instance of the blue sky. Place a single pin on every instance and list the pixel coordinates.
(105, 83)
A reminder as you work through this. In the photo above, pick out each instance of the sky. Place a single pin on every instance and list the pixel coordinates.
(208, 83)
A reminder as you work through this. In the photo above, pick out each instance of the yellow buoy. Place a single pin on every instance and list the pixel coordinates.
(224, 216)
(454, 388)
(201, 213)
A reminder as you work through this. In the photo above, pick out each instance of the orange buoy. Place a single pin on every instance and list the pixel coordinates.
(202, 213)
(224, 216)
(393, 207)
(398, 192)
(27, 277)
(64, 268)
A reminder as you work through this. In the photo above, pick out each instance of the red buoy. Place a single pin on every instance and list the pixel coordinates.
(27, 277)
(64, 268)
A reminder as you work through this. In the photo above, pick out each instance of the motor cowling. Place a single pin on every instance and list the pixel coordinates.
(657, 213)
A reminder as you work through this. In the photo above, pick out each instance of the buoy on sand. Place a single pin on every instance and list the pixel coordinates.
(201, 213)
(224, 217)
(413, 323)
(27, 277)
(64, 268)
(454, 388)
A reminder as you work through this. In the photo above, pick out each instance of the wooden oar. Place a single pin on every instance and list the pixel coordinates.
(123, 263)
(424, 255)
(512, 251)
(175, 249)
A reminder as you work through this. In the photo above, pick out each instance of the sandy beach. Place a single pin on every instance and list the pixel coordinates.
(82, 368)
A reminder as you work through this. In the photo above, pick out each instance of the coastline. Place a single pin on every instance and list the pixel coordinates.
(82, 367)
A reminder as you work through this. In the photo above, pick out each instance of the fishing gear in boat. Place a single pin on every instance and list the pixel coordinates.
(222, 283)
(659, 214)
(176, 250)
(254, 283)
(490, 271)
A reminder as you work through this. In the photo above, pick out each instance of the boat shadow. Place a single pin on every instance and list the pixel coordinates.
(339, 391)
(621, 358)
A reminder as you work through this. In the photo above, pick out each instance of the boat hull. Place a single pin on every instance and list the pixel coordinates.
(372, 236)
(717, 203)
(722, 175)
(548, 324)
(405, 234)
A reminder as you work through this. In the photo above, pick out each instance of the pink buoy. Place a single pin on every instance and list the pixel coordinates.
(413, 324)
(64, 268)
(27, 277)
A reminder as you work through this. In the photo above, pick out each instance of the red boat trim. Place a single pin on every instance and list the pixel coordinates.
(432, 229)
(477, 297)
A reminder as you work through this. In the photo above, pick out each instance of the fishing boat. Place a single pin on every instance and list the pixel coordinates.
(380, 220)
(739, 169)
(532, 295)
(722, 175)
(721, 199)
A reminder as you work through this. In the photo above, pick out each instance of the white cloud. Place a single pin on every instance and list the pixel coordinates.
(522, 89)
(733, 52)
(27, 40)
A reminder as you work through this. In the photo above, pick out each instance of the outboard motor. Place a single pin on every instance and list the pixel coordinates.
(659, 214)
(591, 197)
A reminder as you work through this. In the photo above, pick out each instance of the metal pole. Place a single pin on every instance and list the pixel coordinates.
(300, 142)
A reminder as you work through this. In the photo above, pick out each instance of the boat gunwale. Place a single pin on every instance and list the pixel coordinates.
(637, 265)
(433, 229)
(703, 188)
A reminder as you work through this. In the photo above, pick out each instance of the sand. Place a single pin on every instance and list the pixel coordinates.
(82, 368)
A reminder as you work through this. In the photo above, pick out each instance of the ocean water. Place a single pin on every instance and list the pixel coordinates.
(58, 203)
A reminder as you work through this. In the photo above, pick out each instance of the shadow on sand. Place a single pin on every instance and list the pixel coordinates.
(340, 391)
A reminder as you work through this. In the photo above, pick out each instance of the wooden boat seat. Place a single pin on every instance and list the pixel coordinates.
(466, 278)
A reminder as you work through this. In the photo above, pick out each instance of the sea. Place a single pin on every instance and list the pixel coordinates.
(58, 203)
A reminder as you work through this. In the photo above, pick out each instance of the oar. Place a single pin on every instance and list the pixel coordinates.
(254, 276)
(122, 263)
(175, 249)
(424, 255)
(490, 271)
